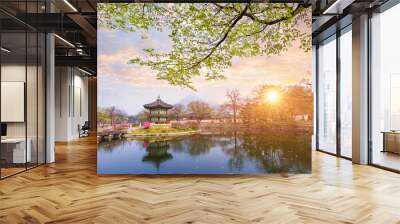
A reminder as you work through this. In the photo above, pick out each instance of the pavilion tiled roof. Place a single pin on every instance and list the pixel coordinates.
(158, 104)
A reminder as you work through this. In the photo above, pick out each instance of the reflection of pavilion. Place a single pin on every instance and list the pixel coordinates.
(157, 153)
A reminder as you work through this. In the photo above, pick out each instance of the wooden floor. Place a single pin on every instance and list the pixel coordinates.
(70, 191)
(387, 159)
(5, 172)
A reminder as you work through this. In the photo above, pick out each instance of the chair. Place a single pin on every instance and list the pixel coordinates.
(84, 130)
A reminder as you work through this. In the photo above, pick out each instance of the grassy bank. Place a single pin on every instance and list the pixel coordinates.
(162, 130)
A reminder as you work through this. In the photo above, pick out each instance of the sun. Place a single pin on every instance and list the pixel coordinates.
(272, 96)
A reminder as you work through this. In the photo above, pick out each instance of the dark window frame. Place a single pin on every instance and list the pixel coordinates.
(381, 9)
(329, 38)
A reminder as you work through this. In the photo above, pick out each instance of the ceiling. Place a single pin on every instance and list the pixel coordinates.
(74, 22)
(331, 15)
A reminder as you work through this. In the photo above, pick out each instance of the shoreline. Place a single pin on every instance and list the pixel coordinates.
(163, 134)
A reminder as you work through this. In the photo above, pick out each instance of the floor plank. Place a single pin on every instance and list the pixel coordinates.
(70, 191)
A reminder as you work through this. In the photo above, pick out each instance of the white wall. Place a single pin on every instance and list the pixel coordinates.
(71, 102)
(12, 73)
(33, 126)
(13, 99)
(62, 81)
(17, 73)
(80, 104)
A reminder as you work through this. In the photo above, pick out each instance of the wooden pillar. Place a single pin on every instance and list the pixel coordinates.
(92, 100)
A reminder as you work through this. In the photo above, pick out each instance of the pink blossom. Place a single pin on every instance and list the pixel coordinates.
(146, 125)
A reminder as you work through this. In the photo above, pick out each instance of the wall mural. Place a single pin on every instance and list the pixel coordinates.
(204, 88)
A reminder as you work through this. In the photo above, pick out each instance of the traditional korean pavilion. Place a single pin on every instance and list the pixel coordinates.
(158, 111)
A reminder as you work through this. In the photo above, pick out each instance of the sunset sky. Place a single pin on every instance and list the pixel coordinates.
(128, 86)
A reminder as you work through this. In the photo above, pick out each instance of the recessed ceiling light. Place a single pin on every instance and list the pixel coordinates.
(70, 5)
(84, 71)
(5, 50)
(64, 40)
(337, 7)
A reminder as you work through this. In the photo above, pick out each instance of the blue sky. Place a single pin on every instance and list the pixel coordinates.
(128, 86)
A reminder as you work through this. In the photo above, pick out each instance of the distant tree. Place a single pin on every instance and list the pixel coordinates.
(177, 111)
(102, 117)
(142, 116)
(223, 112)
(199, 110)
(262, 91)
(116, 115)
(292, 100)
(111, 111)
(299, 101)
(247, 112)
(132, 119)
(264, 110)
(305, 82)
(234, 102)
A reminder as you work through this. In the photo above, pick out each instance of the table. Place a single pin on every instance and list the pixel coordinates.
(13, 150)
(391, 141)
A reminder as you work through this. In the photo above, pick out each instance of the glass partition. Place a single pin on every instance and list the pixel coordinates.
(31, 99)
(22, 88)
(13, 115)
(346, 92)
(327, 95)
(385, 89)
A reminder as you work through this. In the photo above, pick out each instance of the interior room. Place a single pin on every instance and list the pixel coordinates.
(49, 118)
(385, 75)
(71, 100)
(29, 103)
(22, 99)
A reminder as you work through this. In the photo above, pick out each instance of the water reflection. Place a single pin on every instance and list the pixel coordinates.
(157, 152)
(231, 152)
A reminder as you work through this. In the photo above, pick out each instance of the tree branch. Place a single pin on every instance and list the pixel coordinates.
(213, 49)
(272, 22)
(250, 15)
(220, 8)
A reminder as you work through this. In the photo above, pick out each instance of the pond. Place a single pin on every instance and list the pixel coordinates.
(217, 153)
